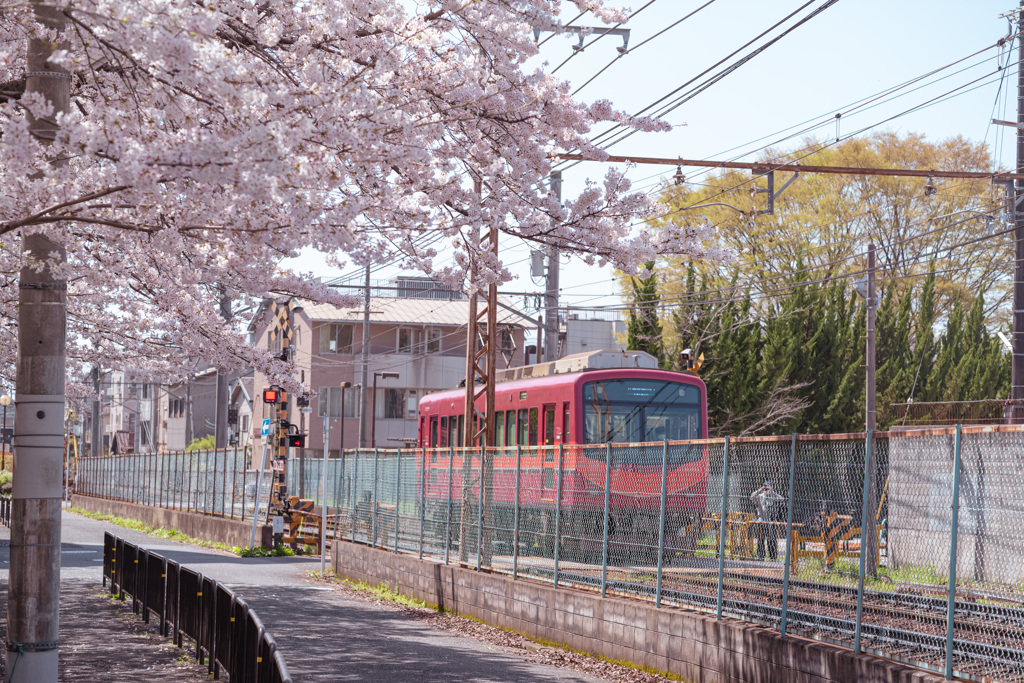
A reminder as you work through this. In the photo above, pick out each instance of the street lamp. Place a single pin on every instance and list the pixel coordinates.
(5, 401)
(373, 404)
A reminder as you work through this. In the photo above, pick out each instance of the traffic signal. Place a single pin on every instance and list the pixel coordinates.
(270, 395)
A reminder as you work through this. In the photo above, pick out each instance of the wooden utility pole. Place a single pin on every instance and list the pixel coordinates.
(33, 597)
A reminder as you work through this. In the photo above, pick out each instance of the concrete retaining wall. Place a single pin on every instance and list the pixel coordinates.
(689, 644)
(231, 532)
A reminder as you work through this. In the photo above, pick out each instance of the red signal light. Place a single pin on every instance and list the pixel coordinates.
(270, 395)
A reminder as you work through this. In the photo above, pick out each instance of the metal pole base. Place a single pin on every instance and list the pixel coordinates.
(31, 667)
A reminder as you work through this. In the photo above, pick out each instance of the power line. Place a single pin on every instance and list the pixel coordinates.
(639, 45)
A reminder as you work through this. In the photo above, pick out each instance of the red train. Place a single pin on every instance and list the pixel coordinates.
(583, 403)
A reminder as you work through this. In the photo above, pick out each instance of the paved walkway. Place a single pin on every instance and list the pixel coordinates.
(323, 635)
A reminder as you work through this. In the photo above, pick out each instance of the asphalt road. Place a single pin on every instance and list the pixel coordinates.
(323, 636)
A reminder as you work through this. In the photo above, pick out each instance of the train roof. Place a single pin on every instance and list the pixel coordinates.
(566, 371)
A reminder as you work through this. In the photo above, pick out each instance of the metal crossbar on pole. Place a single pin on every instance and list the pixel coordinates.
(558, 512)
(789, 536)
(762, 167)
(515, 519)
(865, 517)
(721, 526)
(954, 528)
(448, 523)
(607, 497)
(661, 521)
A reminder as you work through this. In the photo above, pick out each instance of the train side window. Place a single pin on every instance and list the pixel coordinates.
(565, 423)
(499, 429)
(510, 428)
(453, 432)
(549, 427)
(444, 433)
(534, 428)
(461, 433)
(522, 439)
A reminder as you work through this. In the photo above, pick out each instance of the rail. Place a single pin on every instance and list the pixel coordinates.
(226, 633)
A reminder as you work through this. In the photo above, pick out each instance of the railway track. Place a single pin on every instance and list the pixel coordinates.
(989, 642)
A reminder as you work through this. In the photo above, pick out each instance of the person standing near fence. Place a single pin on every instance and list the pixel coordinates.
(768, 503)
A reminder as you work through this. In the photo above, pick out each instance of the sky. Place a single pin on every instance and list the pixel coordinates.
(848, 53)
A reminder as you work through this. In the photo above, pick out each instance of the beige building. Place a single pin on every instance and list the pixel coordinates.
(417, 331)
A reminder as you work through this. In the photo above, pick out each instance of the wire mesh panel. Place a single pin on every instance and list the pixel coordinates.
(827, 504)
(989, 607)
(692, 524)
(755, 511)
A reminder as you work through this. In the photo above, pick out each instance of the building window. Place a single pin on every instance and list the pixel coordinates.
(506, 342)
(144, 433)
(412, 403)
(404, 340)
(145, 391)
(330, 398)
(433, 340)
(335, 338)
(391, 404)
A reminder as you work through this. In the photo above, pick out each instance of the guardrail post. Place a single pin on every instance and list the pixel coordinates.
(234, 478)
(558, 508)
(721, 526)
(864, 519)
(951, 604)
(789, 536)
(480, 512)
(661, 521)
(448, 523)
(515, 516)
(355, 491)
(607, 502)
(213, 486)
(373, 505)
(423, 498)
(398, 496)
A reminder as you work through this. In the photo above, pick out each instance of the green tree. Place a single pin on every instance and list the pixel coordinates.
(644, 332)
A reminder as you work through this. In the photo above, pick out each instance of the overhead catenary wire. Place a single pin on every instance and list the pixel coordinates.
(639, 45)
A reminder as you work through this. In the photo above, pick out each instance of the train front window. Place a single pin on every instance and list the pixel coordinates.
(640, 410)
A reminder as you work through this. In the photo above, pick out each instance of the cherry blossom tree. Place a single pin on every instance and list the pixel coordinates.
(206, 141)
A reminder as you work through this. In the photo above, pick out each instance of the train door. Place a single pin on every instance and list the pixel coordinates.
(548, 440)
(549, 424)
(566, 435)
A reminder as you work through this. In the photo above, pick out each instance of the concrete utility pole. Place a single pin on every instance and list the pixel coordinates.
(96, 448)
(220, 434)
(33, 595)
(871, 557)
(869, 353)
(364, 381)
(1017, 363)
(189, 431)
(551, 293)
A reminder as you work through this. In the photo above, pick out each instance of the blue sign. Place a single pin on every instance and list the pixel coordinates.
(266, 427)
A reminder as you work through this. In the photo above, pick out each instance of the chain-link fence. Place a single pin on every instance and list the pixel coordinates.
(842, 538)
(213, 482)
